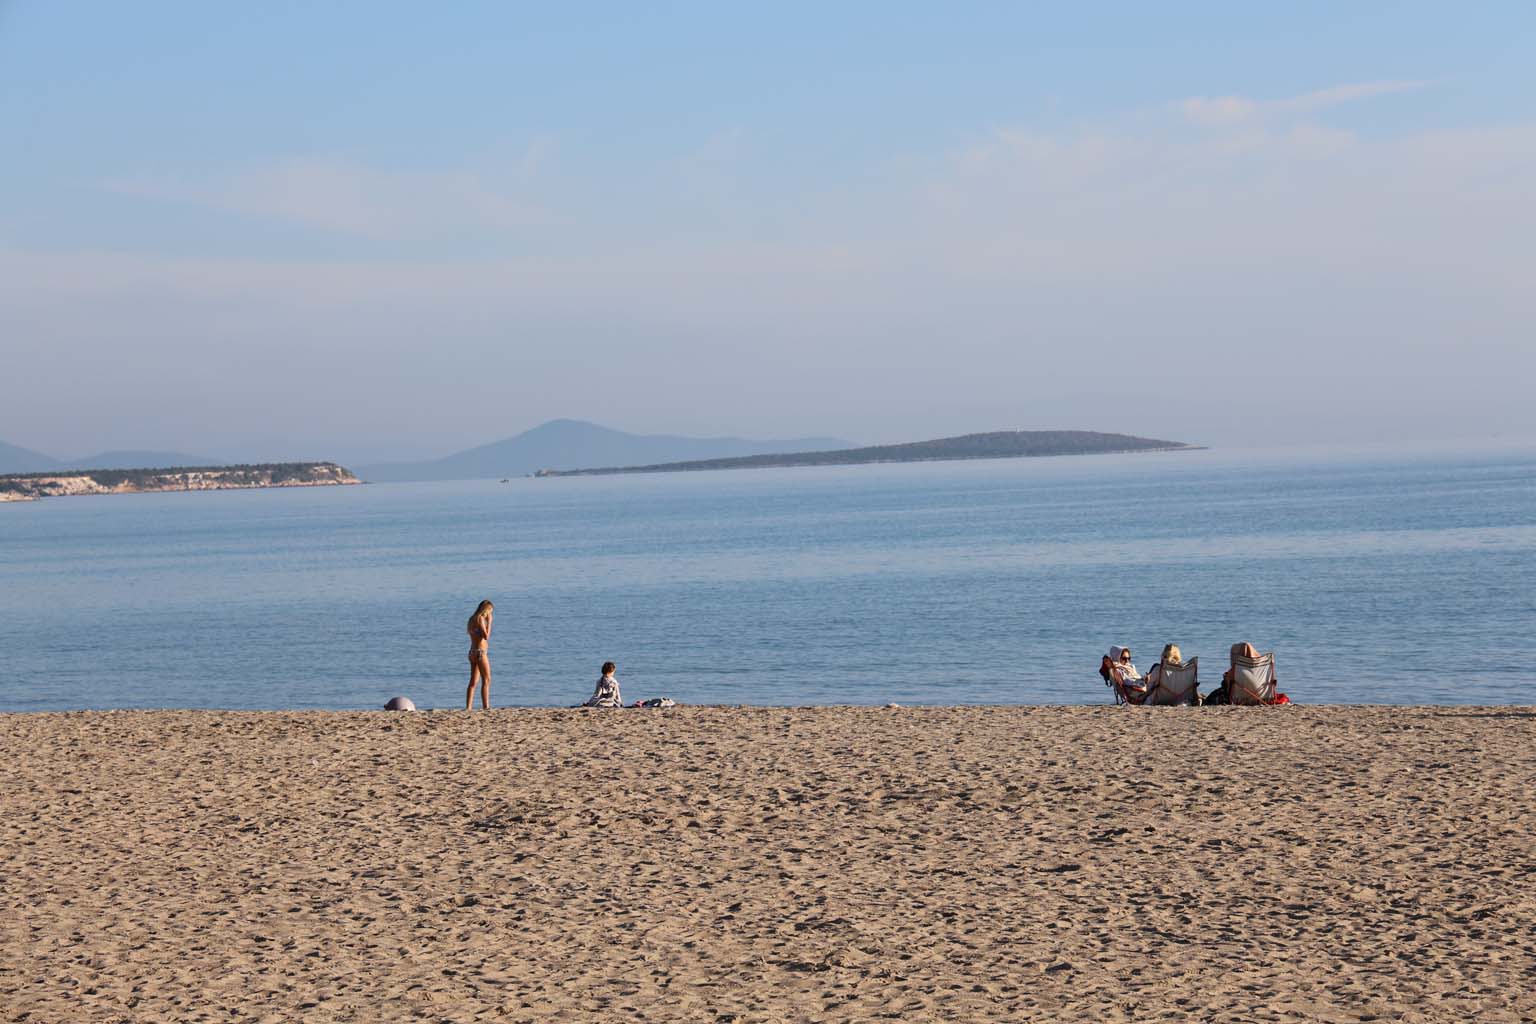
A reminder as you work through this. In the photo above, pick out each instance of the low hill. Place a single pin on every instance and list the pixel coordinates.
(15, 459)
(577, 443)
(1003, 444)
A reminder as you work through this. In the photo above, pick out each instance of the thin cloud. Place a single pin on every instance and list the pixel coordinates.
(337, 196)
(1225, 110)
(1368, 270)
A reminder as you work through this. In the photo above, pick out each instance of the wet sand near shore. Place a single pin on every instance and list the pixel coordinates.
(751, 864)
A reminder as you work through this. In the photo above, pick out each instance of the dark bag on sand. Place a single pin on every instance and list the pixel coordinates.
(1216, 696)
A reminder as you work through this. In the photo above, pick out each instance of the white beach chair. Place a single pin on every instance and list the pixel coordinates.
(1253, 680)
(1176, 684)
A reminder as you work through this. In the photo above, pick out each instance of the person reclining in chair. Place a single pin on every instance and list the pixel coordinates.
(1118, 661)
(1246, 651)
(1171, 656)
(1240, 650)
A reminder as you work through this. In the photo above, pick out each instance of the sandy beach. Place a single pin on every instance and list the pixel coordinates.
(836, 864)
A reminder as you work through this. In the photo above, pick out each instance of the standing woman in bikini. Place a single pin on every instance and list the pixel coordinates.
(479, 629)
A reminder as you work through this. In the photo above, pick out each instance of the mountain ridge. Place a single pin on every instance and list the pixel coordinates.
(16, 459)
(581, 443)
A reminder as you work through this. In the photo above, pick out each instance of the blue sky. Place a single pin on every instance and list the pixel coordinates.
(372, 228)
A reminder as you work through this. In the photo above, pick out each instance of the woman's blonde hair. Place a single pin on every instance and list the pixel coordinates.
(480, 610)
(1172, 656)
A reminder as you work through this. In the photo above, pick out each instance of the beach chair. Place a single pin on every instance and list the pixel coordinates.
(1110, 673)
(1253, 680)
(1176, 684)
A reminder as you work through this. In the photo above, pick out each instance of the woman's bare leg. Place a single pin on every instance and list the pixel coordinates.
(474, 676)
(485, 682)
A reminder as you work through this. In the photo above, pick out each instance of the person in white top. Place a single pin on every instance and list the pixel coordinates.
(1130, 679)
(1120, 657)
(606, 693)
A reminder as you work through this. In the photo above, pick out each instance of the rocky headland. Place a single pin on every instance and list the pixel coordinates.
(29, 486)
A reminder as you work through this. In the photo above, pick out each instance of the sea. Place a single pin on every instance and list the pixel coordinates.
(1379, 576)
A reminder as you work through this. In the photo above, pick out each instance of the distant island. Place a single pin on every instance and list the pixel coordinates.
(28, 486)
(574, 443)
(1001, 444)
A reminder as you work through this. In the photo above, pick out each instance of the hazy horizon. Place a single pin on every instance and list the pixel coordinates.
(354, 232)
(289, 449)
(378, 453)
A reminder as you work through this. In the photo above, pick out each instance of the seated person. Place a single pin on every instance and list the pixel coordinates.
(1171, 656)
(1118, 663)
(606, 693)
(1240, 650)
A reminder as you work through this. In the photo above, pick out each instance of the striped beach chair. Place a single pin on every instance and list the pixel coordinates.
(1253, 680)
(1176, 684)
(1124, 694)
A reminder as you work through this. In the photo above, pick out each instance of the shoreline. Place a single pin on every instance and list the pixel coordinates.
(89, 482)
(888, 706)
(1345, 862)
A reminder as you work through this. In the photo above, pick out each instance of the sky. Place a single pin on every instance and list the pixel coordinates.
(363, 230)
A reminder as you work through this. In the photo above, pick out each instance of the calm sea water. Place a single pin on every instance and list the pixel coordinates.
(1403, 579)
